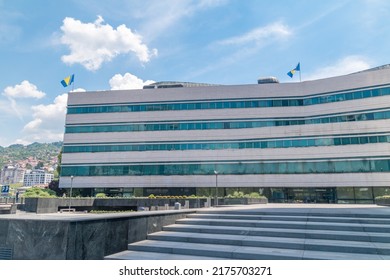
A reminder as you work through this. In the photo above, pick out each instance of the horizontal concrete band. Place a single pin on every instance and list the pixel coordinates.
(299, 153)
(344, 107)
(228, 134)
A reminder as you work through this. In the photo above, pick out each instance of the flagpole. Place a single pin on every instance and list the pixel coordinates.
(300, 78)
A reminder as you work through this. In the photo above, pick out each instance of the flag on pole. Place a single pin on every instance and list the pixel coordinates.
(292, 72)
(68, 80)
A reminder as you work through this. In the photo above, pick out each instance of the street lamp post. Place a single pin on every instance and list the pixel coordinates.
(70, 193)
(216, 187)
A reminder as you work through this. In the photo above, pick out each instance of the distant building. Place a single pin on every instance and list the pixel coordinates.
(37, 178)
(11, 174)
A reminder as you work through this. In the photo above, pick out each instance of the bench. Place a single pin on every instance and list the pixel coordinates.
(68, 210)
(8, 208)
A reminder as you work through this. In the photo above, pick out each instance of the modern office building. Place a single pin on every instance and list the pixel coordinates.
(37, 178)
(315, 141)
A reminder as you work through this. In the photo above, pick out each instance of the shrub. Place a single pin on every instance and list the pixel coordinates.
(236, 194)
(152, 196)
(239, 194)
(384, 199)
(109, 211)
(100, 195)
(253, 195)
(39, 192)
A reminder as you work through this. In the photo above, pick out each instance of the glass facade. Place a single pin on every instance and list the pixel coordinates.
(228, 124)
(233, 168)
(232, 104)
(220, 145)
(340, 195)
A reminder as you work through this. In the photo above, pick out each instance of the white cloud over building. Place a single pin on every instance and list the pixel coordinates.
(92, 44)
(127, 81)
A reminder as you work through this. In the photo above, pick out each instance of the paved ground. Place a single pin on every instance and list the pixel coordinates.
(81, 216)
(274, 207)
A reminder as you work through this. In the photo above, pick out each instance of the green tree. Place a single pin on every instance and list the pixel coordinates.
(59, 157)
(54, 186)
(39, 165)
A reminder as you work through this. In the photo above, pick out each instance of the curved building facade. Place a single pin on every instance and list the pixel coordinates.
(316, 141)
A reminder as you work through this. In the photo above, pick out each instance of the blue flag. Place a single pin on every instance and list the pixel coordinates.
(292, 72)
(68, 80)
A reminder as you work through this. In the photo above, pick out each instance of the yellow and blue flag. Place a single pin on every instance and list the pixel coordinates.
(68, 80)
(292, 72)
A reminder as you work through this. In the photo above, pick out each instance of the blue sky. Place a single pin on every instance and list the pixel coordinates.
(119, 44)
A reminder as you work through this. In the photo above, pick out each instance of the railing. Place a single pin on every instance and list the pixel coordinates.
(11, 200)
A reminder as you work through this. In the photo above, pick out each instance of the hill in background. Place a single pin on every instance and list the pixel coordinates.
(29, 154)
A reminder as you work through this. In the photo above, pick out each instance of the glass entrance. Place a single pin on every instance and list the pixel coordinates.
(303, 195)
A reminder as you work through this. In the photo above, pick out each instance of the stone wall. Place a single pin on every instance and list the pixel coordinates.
(79, 236)
(242, 201)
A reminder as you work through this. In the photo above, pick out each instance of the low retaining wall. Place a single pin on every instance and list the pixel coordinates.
(79, 236)
(53, 205)
(382, 201)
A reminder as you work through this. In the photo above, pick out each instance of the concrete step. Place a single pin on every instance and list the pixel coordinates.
(138, 255)
(275, 242)
(297, 212)
(280, 232)
(244, 252)
(297, 218)
(288, 224)
(314, 233)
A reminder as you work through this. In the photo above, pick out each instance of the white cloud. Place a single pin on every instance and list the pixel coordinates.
(24, 90)
(91, 44)
(245, 45)
(344, 66)
(161, 18)
(8, 33)
(373, 12)
(48, 121)
(78, 90)
(34, 124)
(10, 30)
(210, 3)
(127, 81)
(260, 35)
(22, 142)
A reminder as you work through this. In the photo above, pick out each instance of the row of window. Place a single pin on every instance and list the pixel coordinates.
(223, 124)
(253, 144)
(252, 103)
(285, 167)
